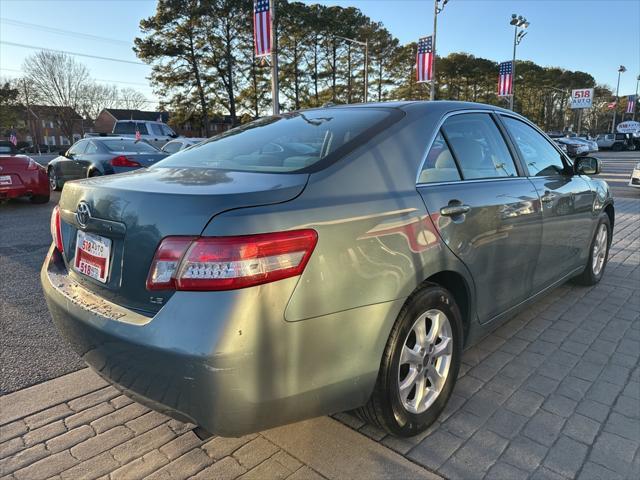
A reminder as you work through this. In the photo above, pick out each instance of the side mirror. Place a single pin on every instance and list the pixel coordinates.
(587, 166)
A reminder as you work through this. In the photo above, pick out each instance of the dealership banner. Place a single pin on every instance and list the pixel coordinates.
(629, 127)
(582, 98)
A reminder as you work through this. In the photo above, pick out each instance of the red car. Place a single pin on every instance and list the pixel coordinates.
(21, 176)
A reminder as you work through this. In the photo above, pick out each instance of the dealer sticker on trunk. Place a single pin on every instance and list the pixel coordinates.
(92, 255)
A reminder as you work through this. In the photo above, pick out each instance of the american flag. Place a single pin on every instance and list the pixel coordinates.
(424, 59)
(612, 105)
(262, 27)
(505, 79)
(13, 138)
(138, 136)
(631, 104)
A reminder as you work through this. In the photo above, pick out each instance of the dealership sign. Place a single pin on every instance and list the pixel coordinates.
(582, 98)
(629, 127)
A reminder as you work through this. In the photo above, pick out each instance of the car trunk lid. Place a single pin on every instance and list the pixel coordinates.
(136, 210)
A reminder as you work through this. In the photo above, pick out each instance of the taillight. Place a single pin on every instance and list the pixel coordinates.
(56, 230)
(122, 161)
(33, 165)
(228, 263)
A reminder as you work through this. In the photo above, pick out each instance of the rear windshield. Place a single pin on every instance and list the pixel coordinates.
(299, 141)
(130, 128)
(129, 146)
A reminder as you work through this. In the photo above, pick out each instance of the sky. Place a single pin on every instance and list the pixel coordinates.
(595, 36)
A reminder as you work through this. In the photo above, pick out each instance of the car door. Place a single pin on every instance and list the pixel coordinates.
(70, 168)
(566, 201)
(486, 211)
(88, 158)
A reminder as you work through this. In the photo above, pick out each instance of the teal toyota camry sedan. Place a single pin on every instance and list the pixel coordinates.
(321, 261)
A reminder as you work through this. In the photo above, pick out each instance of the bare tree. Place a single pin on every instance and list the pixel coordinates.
(60, 81)
(131, 99)
(96, 97)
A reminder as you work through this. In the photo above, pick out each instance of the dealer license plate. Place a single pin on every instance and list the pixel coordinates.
(92, 255)
(5, 180)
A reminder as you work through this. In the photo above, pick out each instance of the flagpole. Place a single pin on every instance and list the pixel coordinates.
(432, 97)
(274, 60)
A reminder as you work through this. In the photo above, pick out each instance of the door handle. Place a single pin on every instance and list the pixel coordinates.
(548, 197)
(454, 210)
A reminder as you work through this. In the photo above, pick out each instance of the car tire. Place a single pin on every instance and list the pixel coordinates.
(94, 173)
(594, 270)
(395, 405)
(40, 199)
(54, 181)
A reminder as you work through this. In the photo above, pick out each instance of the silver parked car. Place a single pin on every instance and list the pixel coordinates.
(320, 261)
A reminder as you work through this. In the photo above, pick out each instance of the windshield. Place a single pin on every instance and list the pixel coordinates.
(120, 146)
(285, 143)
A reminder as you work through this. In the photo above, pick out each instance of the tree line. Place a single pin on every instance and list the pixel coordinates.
(203, 64)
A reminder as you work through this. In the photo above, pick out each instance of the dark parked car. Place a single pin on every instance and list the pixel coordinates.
(91, 157)
(320, 261)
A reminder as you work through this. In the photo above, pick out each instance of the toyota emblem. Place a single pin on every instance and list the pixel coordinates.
(83, 213)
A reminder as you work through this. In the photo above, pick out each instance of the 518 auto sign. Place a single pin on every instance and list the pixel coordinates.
(582, 98)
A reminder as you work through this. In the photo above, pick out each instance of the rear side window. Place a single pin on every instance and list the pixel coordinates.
(293, 142)
(129, 128)
(541, 157)
(439, 165)
(478, 146)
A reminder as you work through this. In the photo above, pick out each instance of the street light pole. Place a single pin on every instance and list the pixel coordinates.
(437, 9)
(275, 88)
(518, 35)
(635, 99)
(621, 70)
(365, 44)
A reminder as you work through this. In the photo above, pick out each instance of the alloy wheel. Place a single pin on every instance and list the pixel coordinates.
(425, 361)
(599, 249)
(53, 179)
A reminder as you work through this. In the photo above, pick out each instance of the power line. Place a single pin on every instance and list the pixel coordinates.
(97, 79)
(61, 31)
(77, 54)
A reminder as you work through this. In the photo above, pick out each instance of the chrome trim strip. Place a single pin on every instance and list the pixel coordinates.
(473, 180)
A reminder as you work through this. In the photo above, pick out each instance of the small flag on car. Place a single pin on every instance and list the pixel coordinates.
(505, 79)
(262, 27)
(631, 104)
(13, 138)
(138, 136)
(424, 60)
(159, 118)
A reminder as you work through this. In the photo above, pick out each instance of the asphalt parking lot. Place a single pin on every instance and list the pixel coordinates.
(554, 393)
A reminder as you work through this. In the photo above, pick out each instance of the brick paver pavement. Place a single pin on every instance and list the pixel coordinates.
(555, 392)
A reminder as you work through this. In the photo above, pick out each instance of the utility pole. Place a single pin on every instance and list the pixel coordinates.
(517, 21)
(621, 70)
(275, 88)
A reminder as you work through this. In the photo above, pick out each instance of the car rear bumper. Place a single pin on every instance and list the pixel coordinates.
(227, 361)
(35, 183)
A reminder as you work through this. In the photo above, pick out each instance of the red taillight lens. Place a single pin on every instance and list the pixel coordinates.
(122, 161)
(56, 230)
(33, 165)
(228, 263)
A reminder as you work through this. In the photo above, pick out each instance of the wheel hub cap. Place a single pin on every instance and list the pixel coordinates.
(599, 249)
(425, 361)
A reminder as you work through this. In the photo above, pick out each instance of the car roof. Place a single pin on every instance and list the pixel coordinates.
(438, 106)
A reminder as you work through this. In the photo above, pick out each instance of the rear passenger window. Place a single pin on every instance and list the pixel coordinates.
(478, 146)
(439, 165)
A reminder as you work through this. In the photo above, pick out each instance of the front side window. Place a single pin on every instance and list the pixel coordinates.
(478, 146)
(92, 148)
(541, 158)
(78, 148)
(298, 141)
(167, 131)
(156, 130)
